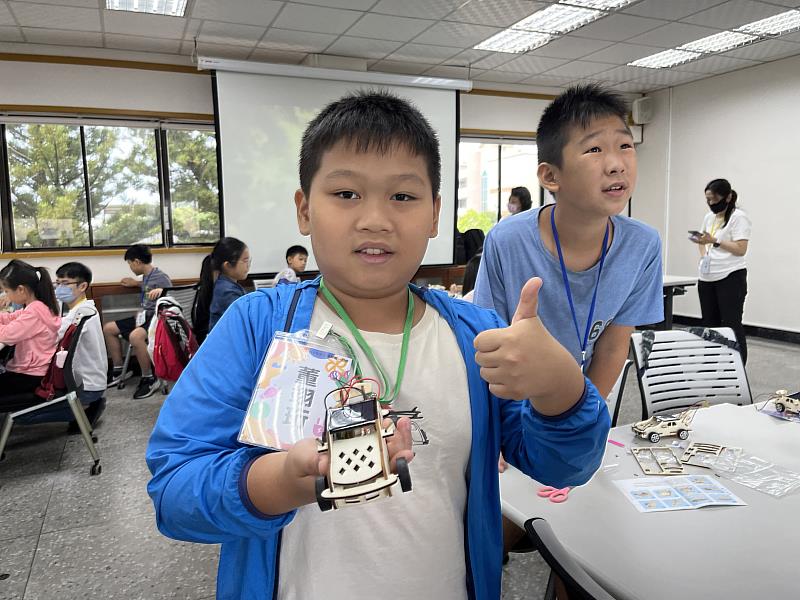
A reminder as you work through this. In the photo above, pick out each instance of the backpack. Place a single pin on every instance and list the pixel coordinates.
(173, 342)
(53, 381)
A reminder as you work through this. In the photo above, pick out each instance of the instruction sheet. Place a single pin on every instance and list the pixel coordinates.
(657, 494)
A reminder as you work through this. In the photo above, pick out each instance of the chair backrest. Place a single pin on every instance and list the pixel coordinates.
(261, 284)
(185, 295)
(614, 399)
(682, 369)
(577, 581)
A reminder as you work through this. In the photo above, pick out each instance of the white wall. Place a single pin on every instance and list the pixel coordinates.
(742, 126)
(500, 113)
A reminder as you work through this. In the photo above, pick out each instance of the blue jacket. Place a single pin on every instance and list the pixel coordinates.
(226, 292)
(199, 468)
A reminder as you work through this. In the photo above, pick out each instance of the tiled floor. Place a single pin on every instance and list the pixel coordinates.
(66, 535)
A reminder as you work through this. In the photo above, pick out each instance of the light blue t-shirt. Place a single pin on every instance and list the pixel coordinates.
(630, 290)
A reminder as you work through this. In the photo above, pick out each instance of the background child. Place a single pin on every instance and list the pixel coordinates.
(220, 275)
(519, 200)
(32, 331)
(296, 259)
(134, 329)
(370, 175)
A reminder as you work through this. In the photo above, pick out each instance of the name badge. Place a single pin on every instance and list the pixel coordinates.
(140, 317)
(705, 265)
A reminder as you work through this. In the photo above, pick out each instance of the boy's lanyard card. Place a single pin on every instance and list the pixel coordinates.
(288, 402)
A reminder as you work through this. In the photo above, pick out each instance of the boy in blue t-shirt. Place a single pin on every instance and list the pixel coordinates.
(369, 199)
(588, 162)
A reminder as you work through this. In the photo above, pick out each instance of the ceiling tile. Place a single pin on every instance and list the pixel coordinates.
(624, 73)
(362, 47)
(494, 60)
(250, 12)
(351, 4)
(5, 16)
(61, 37)
(424, 9)
(500, 77)
(630, 87)
(672, 35)
(446, 33)
(10, 34)
(669, 77)
(766, 50)
(787, 3)
(734, 13)
(580, 68)
(57, 17)
(402, 68)
(424, 53)
(142, 44)
(671, 9)
(791, 37)
(217, 50)
(618, 27)
(295, 41)
(316, 18)
(570, 47)
(79, 3)
(146, 25)
(385, 27)
(448, 72)
(531, 64)
(620, 53)
(547, 80)
(192, 29)
(277, 56)
(230, 33)
(716, 64)
(499, 13)
(470, 56)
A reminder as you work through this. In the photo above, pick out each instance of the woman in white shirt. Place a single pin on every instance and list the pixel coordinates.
(723, 272)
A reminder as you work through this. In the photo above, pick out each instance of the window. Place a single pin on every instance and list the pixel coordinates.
(488, 170)
(107, 185)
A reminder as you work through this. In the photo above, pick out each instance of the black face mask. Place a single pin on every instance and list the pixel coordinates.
(718, 207)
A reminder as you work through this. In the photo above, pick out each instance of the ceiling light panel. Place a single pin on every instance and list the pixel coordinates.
(512, 40)
(599, 4)
(666, 59)
(558, 19)
(776, 25)
(719, 42)
(169, 8)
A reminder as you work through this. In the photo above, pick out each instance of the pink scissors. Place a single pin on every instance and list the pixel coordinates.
(556, 495)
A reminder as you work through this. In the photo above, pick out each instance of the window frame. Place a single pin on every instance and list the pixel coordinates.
(159, 128)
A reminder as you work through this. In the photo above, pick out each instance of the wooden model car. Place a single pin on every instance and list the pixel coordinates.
(359, 469)
(785, 402)
(655, 428)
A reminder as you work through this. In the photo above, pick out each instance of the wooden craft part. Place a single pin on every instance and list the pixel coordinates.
(658, 460)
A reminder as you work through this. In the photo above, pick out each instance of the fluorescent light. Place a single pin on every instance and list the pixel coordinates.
(558, 19)
(598, 4)
(511, 40)
(719, 42)
(775, 25)
(667, 58)
(175, 8)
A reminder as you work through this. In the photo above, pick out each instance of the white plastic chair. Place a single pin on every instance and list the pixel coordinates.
(614, 399)
(683, 369)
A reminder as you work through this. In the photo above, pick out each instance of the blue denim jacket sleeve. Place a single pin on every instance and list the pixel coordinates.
(198, 466)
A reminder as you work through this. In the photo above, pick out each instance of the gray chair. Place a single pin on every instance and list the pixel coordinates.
(614, 399)
(679, 369)
(26, 404)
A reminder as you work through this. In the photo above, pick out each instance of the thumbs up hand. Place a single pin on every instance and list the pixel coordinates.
(524, 361)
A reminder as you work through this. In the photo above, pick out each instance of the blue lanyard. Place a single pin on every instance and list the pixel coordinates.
(569, 291)
(145, 281)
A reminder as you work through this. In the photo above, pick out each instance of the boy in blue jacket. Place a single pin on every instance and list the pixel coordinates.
(369, 176)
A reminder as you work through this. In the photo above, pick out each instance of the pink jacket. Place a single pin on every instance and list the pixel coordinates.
(34, 332)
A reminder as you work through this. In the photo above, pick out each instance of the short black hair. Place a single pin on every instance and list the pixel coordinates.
(369, 120)
(524, 196)
(75, 270)
(578, 106)
(139, 251)
(296, 250)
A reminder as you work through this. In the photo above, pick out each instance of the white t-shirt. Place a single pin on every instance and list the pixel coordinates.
(723, 263)
(412, 544)
(286, 276)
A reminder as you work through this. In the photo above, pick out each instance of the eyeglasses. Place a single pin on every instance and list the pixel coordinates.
(58, 283)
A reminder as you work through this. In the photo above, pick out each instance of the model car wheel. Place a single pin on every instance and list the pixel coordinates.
(321, 485)
(654, 437)
(779, 406)
(404, 474)
(683, 434)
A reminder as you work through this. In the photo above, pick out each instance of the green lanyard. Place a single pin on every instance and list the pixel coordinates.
(389, 395)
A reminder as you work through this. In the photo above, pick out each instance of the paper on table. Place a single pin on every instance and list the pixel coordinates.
(658, 494)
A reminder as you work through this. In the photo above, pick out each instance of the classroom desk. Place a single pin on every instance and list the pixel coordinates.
(674, 285)
(735, 552)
